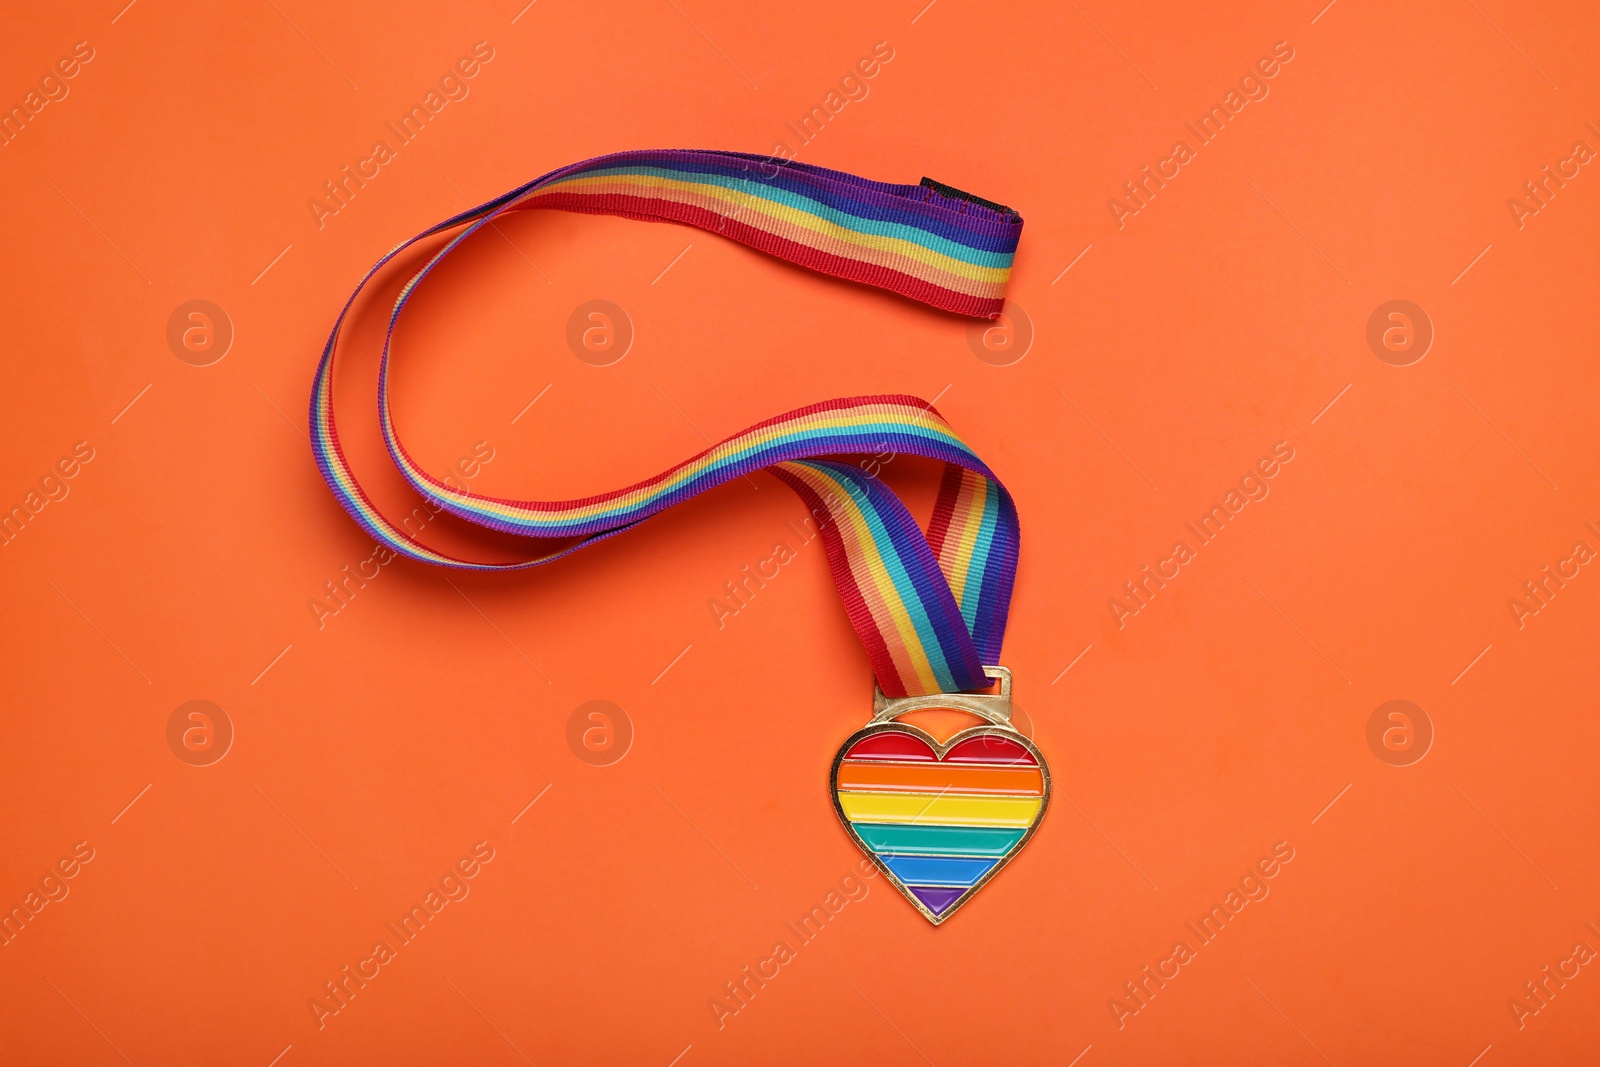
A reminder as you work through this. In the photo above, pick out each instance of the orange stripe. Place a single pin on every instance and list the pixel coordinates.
(879, 776)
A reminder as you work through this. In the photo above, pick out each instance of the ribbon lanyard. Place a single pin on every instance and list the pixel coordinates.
(929, 608)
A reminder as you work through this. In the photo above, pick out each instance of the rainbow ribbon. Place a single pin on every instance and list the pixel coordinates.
(930, 609)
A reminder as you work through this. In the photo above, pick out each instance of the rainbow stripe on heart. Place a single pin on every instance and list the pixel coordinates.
(940, 826)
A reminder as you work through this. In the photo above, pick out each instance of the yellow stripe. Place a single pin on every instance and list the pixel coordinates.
(803, 219)
(947, 810)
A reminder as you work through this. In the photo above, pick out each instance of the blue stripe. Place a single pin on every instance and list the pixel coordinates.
(959, 871)
(999, 570)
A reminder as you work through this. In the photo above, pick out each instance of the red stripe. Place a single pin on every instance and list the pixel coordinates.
(990, 748)
(944, 509)
(890, 746)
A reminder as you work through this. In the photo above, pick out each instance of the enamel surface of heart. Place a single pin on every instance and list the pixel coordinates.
(940, 825)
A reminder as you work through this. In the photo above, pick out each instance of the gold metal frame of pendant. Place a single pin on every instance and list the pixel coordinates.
(995, 709)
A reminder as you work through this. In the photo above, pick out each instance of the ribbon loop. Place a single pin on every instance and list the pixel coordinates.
(931, 610)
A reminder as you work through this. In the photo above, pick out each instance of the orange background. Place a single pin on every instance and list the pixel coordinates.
(1228, 715)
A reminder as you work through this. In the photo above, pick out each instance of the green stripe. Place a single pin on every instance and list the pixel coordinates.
(925, 840)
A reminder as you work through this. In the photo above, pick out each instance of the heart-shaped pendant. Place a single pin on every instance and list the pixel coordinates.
(941, 791)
